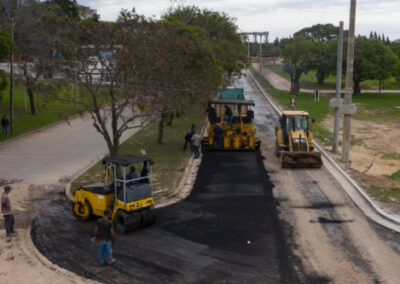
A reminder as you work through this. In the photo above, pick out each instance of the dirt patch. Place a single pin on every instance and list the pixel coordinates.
(373, 155)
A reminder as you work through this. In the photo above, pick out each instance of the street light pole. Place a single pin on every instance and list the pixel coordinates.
(335, 141)
(348, 108)
(12, 79)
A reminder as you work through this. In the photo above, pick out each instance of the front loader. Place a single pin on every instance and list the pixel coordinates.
(294, 142)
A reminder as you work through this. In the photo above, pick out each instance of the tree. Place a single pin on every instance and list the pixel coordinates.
(296, 52)
(323, 59)
(35, 55)
(92, 53)
(319, 32)
(395, 47)
(69, 8)
(5, 48)
(220, 32)
(372, 60)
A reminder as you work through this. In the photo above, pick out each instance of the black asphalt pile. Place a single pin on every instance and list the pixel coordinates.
(226, 231)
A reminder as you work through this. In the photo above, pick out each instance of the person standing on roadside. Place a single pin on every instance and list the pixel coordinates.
(6, 211)
(105, 232)
(196, 141)
(4, 124)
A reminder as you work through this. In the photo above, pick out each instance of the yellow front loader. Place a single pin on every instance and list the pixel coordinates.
(294, 142)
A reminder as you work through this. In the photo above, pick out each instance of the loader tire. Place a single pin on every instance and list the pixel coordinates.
(276, 149)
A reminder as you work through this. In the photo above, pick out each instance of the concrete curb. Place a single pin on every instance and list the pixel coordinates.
(30, 249)
(387, 220)
(187, 181)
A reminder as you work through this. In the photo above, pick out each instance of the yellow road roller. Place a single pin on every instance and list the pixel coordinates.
(129, 197)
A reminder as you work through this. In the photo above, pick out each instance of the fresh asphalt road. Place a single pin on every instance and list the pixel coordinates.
(53, 153)
(226, 231)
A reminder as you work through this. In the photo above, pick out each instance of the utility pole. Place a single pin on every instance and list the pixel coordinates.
(260, 52)
(348, 108)
(11, 79)
(248, 48)
(335, 141)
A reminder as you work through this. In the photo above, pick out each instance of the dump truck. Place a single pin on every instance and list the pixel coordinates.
(130, 201)
(294, 141)
(241, 135)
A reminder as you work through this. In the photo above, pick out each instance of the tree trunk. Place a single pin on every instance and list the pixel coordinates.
(295, 86)
(320, 77)
(31, 100)
(357, 88)
(161, 127)
(170, 118)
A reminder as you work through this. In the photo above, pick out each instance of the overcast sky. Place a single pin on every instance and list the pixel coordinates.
(280, 18)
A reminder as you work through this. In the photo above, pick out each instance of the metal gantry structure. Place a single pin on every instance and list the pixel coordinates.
(255, 36)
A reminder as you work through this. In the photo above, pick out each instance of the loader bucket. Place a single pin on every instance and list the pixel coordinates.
(301, 160)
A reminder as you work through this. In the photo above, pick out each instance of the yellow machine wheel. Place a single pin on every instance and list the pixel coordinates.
(82, 211)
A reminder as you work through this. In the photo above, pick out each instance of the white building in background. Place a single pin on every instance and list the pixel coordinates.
(87, 12)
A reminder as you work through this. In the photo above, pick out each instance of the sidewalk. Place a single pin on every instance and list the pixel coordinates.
(282, 83)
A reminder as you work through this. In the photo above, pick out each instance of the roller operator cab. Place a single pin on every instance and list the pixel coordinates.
(236, 132)
(294, 141)
(130, 201)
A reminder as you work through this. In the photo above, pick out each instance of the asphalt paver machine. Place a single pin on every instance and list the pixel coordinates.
(130, 201)
(242, 135)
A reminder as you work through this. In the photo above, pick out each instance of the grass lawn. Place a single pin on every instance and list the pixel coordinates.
(47, 111)
(377, 106)
(169, 159)
(309, 80)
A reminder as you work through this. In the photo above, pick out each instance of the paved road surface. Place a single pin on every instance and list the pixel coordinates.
(226, 231)
(54, 153)
(282, 83)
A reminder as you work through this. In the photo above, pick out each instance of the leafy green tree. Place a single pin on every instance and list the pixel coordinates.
(297, 52)
(395, 47)
(69, 8)
(323, 59)
(5, 48)
(220, 32)
(372, 60)
(319, 32)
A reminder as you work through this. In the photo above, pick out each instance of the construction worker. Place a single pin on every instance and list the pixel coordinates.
(229, 115)
(196, 141)
(7, 213)
(105, 232)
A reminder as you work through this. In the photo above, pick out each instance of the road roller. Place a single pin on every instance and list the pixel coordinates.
(129, 197)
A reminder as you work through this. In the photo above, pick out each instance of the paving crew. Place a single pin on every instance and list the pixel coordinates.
(217, 136)
(105, 232)
(196, 141)
(229, 115)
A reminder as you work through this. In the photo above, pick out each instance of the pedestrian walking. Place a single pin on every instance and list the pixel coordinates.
(196, 141)
(293, 103)
(7, 212)
(105, 232)
(4, 124)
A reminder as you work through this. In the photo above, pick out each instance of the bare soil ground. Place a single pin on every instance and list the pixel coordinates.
(371, 140)
(332, 240)
(20, 261)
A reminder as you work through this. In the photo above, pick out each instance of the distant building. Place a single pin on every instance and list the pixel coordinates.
(87, 12)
